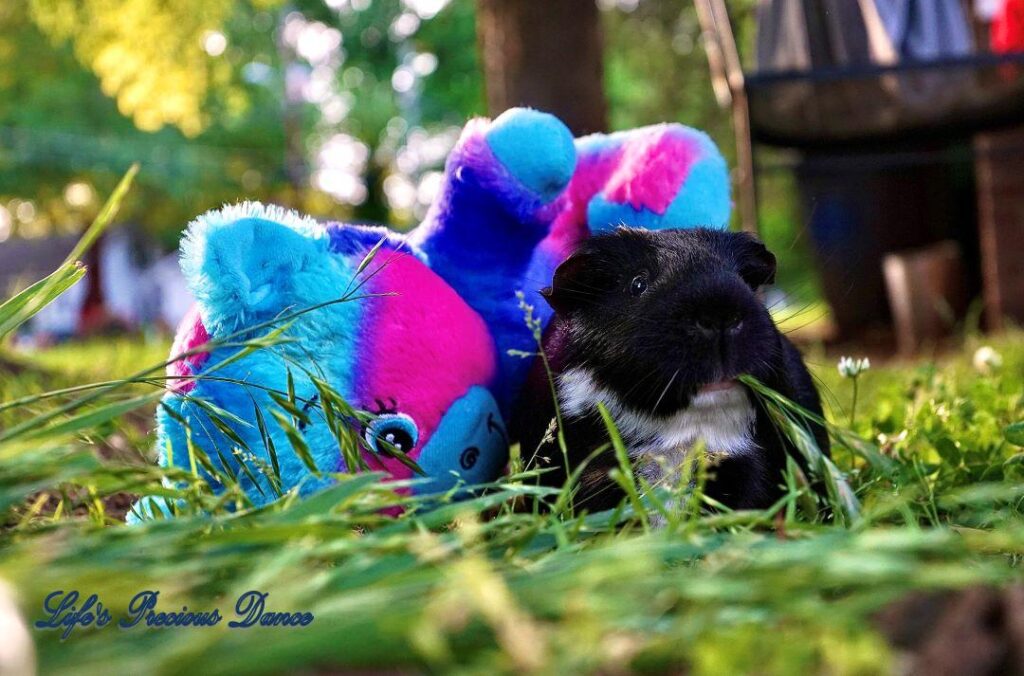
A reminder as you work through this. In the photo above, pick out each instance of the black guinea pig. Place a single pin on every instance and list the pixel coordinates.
(657, 325)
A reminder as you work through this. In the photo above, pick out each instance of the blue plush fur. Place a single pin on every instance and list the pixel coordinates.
(515, 138)
(254, 269)
(247, 265)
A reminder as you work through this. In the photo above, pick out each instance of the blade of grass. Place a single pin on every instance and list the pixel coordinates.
(624, 477)
(23, 306)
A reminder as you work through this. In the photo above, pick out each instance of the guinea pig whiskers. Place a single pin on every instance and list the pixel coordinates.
(665, 391)
(832, 398)
(809, 305)
(633, 388)
(800, 327)
(802, 296)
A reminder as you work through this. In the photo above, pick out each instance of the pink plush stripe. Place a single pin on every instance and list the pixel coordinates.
(422, 348)
(652, 170)
(593, 172)
(569, 227)
(191, 334)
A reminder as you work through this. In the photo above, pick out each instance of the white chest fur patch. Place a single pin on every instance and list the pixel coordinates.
(723, 419)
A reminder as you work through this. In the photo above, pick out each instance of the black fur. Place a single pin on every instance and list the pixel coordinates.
(698, 320)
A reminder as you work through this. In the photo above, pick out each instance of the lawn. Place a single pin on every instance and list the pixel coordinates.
(480, 586)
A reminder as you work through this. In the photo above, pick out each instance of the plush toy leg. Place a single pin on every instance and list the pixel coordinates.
(537, 150)
(665, 176)
(498, 180)
(495, 206)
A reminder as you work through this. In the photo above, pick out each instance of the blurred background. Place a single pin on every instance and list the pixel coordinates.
(877, 145)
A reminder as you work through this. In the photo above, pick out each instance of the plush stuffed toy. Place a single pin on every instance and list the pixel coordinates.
(405, 348)
(425, 347)
(408, 350)
(495, 206)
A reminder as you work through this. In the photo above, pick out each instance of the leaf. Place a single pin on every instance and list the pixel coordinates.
(268, 441)
(238, 453)
(86, 421)
(227, 431)
(791, 419)
(17, 310)
(325, 500)
(105, 217)
(1015, 433)
(298, 415)
(298, 443)
(215, 411)
(391, 451)
(948, 450)
(368, 258)
(624, 477)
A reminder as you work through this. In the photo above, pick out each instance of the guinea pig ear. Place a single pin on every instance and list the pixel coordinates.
(579, 280)
(756, 263)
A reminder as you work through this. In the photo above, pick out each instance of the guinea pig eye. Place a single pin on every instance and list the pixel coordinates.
(391, 431)
(638, 285)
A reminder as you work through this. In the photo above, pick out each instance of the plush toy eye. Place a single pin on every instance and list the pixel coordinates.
(391, 430)
(469, 457)
(638, 285)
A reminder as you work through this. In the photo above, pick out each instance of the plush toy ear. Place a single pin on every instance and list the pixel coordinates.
(581, 279)
(242, 261)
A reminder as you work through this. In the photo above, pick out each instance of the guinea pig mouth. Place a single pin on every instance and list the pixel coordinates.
(720, 394)
(720, 386)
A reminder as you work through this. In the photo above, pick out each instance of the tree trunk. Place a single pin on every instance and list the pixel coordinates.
(546, 54)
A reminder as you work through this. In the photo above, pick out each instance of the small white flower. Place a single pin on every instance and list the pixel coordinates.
(851, 368)
(986, 360)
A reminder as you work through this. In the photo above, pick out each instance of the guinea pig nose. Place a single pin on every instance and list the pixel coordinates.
(712, 324)
(706, 326)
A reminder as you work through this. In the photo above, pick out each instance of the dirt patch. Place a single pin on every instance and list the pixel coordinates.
(979, 630)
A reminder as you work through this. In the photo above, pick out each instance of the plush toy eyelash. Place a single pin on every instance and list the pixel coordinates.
(382, 408)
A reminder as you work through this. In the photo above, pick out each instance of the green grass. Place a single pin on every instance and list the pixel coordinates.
(489, 585)
(481, 587)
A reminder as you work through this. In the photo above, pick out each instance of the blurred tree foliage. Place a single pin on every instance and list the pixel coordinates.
(149, 55)
(343, 108)
(656, 69)
(60, 129)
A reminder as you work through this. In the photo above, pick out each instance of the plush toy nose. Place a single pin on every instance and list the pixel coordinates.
(469, 445)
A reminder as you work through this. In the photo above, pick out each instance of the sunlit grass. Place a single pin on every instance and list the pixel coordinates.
(495, 584)
(480, 585)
